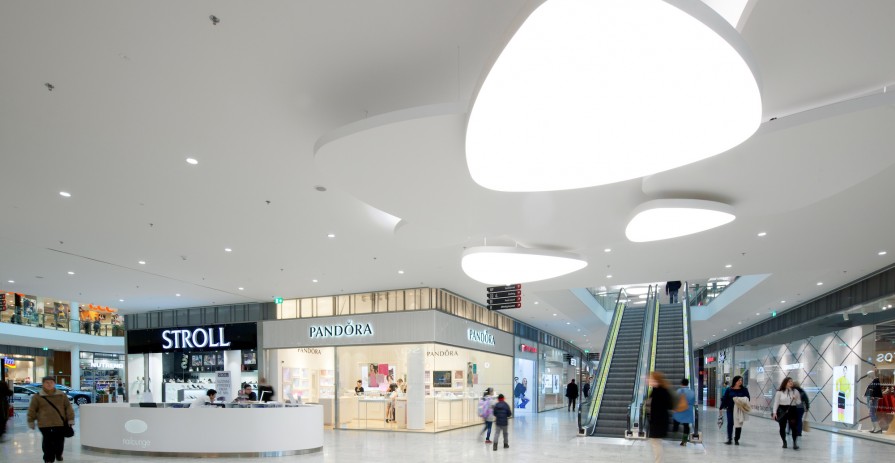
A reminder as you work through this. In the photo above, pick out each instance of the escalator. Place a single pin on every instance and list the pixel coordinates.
(616, 380)
(670, 354)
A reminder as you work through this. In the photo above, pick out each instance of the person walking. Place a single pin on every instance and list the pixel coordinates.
(728, 403)
(684, 416)
(572, 394)
(873, 394)
(486, 412)
(585, 390)
(660, 404)
(785, 411)
(671, 289)
(502, 414)
(803, 407)
(265, 390)
(52, 412)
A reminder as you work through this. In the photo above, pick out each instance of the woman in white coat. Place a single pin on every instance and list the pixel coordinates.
(785, 408)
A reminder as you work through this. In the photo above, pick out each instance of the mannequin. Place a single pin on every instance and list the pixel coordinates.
(873, 394)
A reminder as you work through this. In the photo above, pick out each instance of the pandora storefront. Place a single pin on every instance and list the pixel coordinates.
(420, 371)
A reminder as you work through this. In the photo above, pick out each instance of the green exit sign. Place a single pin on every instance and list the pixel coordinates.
(586, 351)
(278, 300)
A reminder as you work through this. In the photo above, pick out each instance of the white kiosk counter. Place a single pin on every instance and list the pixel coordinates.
(202, 432)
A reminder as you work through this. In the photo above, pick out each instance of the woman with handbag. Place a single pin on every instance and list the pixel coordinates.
(54, 415)
(728, 403)
(786, 405)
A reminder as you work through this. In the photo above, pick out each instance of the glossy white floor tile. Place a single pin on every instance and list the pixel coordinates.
(549, 436)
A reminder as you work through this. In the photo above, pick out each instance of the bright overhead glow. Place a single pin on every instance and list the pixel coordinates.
(71, 273)
(536, 302)
(607, 250)
(507, 265)
(313, 281)
(65, 193)
(783, 302)
(120, 300)
(763, 234)
(554, 315)
(588, 93)
(331, 235)
(400, 272)
(142, 262)
(728, 266)
(608, 276)
(178, 294)
(10, 281)
(228, 250)
(820, 283)
(662, 219)
(191, 161)
(882, 253)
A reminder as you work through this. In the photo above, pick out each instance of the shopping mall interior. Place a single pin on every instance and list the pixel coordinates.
(354, 220)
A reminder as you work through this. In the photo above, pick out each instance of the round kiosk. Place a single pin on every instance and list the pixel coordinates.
(258, 430)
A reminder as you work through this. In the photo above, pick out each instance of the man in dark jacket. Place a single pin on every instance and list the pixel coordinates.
(671, 289)
(585, 390)
(502, 414)
(572, 394)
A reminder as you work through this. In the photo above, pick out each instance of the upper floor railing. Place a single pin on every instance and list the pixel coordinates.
(59, 322)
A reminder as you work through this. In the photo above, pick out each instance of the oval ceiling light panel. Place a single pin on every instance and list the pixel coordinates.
(588, 93)
(509, 265)
(670, 218)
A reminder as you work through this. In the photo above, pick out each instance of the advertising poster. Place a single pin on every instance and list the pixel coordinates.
(224, 386)
(843, 399)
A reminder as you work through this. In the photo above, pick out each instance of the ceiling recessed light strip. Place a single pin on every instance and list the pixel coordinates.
(588, 93)
(506, 265)
(663, 219)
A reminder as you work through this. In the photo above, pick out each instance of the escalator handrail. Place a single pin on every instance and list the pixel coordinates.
(642, 361)
(689, 360)
(605, 362)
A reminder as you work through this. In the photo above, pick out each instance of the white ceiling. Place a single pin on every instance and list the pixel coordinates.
(139, 87)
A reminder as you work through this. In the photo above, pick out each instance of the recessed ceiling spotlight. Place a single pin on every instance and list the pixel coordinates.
(313, 281)
(762, 234)
(178, 294)
(728, 266)
(725, 329)
(191, 161)
(331, 235)
(241, 288)
(554, 315)
(608, 276)
(739, 323)
(882, 253)
(607, 250)
(142, 262)
(65, 193)
(71, 273)
(757, 313)
(120, 300)
(783, 302)
(10, 281)
(228, 250)
(400, 272)
(820, 283)
(568, 323)
(536, 302)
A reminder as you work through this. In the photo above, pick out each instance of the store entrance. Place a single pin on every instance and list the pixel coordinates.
(711, 386)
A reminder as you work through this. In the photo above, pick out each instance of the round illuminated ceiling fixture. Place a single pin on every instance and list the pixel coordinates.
(662, 219)
(508, 265)
(589, 93)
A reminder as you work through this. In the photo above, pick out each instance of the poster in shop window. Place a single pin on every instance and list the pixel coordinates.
(844, 394)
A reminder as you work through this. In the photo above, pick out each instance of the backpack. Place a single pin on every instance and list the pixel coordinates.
(682, 403)
(485, 409)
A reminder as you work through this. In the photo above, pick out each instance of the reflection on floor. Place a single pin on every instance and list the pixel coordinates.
(549, 436)
(381, 425)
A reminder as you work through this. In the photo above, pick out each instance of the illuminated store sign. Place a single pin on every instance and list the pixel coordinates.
(349, 329)
(9, 362)
(107, 365)
(199, 337)
(481, 337)
(527, 348)
(887, 357)
(232, 336)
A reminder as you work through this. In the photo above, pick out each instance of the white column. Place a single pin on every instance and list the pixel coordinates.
(75, 367)
(74, 323)
(233, 364)
(416, 389)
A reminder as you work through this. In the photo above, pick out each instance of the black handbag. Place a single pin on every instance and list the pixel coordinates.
(67, 430)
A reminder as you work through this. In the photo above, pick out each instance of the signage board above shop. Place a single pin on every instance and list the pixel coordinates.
(238, 336)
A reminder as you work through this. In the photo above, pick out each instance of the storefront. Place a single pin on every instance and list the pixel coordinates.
(180, 364)
(23, 369)
(525, 377)
(554, 373)
(441, 364)
(100, 372)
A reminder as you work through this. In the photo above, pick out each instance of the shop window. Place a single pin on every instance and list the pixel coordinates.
(324, 306)
(306, 306)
